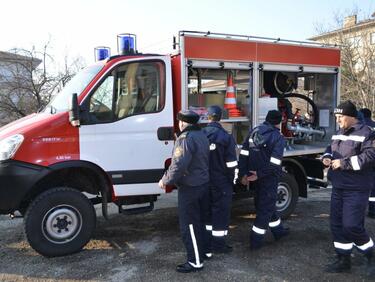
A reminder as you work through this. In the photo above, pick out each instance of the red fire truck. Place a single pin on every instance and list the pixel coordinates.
(107, 137)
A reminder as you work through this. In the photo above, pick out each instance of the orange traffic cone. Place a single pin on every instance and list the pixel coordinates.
(230, 98)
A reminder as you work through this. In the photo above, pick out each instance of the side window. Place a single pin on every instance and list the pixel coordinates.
(134, 88)
(101, 102)
(140, 89)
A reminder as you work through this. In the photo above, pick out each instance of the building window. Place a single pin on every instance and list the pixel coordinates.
(372, 66)
(372, 38)
(355, 42)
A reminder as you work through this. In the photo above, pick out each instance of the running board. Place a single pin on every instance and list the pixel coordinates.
(316, 183)
(137, 210)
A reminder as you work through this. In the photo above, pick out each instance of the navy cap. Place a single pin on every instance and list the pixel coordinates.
(214, 112)
(188, 116)
(346, 108)
(366, 112)
(273, 117)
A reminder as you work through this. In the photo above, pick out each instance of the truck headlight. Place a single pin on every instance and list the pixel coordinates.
(9, 146)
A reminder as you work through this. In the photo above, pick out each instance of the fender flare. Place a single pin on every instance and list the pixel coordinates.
(105, 181)
(300, 177)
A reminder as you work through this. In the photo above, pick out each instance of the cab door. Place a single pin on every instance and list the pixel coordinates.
(125, 111)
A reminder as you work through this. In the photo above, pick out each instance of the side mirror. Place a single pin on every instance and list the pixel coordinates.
(74, 111)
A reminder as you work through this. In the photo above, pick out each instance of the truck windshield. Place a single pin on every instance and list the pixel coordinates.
(77, 84)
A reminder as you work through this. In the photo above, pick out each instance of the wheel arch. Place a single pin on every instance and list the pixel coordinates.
(80, 175)
(292, 166)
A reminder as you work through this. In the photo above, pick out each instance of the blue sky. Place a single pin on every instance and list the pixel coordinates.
(75, 27)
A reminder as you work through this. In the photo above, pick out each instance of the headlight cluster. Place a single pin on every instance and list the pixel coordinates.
(9, 146)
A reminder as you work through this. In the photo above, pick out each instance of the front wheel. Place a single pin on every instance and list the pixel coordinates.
(287, 195)
(59, 222)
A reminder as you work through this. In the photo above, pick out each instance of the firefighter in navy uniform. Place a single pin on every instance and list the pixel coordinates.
(223, 162)
(260, 162)
(369, 122)
(367, 117)
(350, 158)
(189, 171)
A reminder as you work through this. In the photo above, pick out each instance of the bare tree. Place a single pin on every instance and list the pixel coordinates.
(357, 60)
(28, 80)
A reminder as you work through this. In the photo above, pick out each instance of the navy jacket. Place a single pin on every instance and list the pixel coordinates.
(190, 160)
(223, 159)
(355, 148)
(369, 122)
(262, 152)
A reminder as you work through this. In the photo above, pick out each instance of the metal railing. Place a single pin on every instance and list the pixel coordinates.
(255, 38)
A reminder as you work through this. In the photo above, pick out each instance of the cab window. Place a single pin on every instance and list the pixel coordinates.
(101, 102)
(131, 89)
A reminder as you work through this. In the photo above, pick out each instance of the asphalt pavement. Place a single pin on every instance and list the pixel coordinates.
(147, 247)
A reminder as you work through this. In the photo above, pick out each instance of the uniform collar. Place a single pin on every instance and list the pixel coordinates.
(266, 123)
(190, 128)
(214, 124)
(354, 127)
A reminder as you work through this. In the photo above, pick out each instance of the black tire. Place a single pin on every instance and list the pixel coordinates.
(59, 222)
(287, 195)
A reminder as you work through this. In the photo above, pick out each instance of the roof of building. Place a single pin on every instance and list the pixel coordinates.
(9, 57)
(360, 25)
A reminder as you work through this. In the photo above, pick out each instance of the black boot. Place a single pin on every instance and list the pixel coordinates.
(256, 241)
(219, 246)
(342, 264)
(187, 267)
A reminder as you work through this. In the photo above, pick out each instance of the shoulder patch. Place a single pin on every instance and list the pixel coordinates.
(183, 135)
(177, 152)
(212, 146)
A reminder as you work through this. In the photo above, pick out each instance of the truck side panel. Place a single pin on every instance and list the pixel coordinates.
(235, 50)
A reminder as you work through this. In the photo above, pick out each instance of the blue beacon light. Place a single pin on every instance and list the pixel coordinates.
(126, 44)
(102, 53)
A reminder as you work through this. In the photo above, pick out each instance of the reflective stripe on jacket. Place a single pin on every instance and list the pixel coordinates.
(223, 159)
(262, 152)
(190, 160)
(355, 149)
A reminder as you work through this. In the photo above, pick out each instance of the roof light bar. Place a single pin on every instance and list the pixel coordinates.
(102, 53)
(126, 44)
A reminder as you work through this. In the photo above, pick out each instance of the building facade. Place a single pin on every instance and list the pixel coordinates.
(357, 41)
(15, 85)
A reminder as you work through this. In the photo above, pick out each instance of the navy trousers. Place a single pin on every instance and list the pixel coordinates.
(192, 207)
(218, 218)
(266, 214)
(347, 218)
(371, 200)
(371, 203)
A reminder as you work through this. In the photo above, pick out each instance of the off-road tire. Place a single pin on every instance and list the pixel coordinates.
(59, 222)
(287, 195)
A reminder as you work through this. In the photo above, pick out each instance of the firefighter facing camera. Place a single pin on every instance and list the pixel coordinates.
(260, 163)
(223, 162)
(189, 172)
(350, 158)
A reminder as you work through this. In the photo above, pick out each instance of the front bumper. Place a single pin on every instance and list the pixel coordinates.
(16, 180)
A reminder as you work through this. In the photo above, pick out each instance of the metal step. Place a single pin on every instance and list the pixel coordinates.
(316, 183)
(136, 210)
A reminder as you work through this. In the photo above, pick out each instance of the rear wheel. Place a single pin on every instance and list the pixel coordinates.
(287, 195)
(59, 222)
